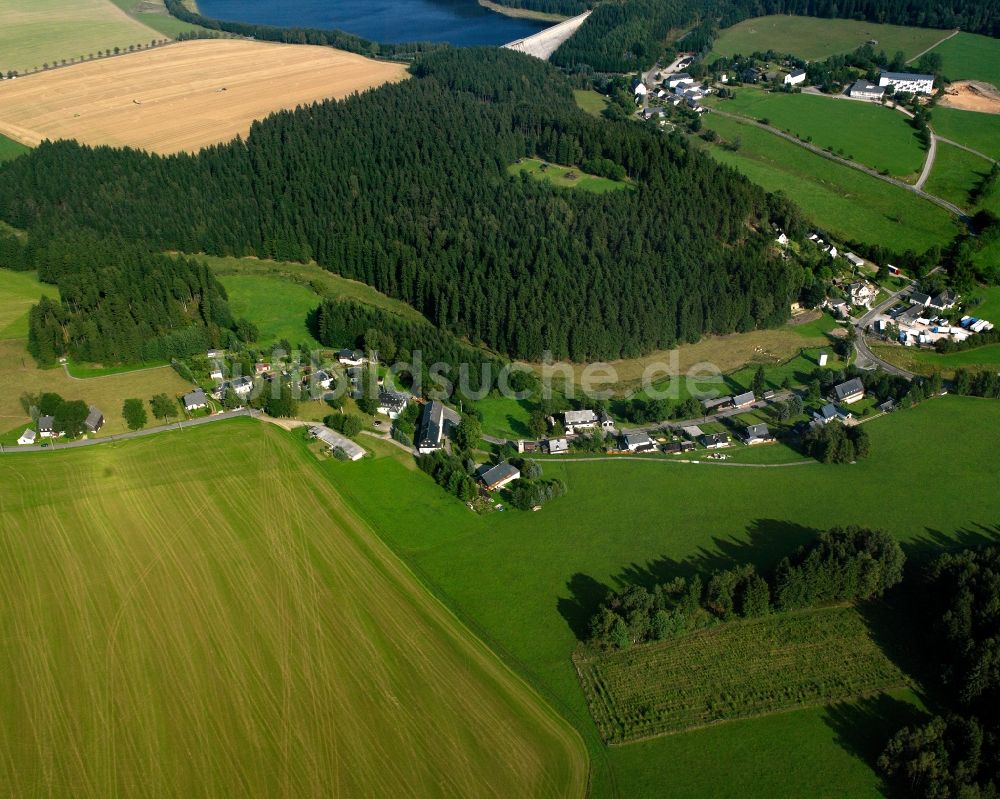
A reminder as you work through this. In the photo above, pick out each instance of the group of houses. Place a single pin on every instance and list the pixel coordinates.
(47, 427)
(922, 321)
(677, 88)
(909, 82)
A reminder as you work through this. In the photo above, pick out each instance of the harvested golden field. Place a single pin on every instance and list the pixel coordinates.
(184, 96)
(202, 615)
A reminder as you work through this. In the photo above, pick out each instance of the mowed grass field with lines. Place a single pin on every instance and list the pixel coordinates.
(970, 56)
(867, 133)
(528, 582)
(47, 31)
(199, 614)
(814, 39)
(846, 202)
(184, 96)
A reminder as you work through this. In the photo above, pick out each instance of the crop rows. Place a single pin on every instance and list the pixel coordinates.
(734, 671)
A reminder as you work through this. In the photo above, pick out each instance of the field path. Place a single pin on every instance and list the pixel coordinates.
(936, 44)
(966, 148)
(928, 163)
(949, 207)
(612, 458)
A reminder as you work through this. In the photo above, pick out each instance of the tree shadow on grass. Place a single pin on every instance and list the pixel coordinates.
(766, 542)
(517, 427)
(863, 727)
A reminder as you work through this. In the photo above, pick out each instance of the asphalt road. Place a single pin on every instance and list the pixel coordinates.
(866, 358)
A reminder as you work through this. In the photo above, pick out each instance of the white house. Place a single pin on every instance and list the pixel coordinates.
(391, 403)
(638, 441)
(757, 434)
(921, 299)
(348, 357)
(558, 446)
(715, 440)
(241, 386)
(47, 427)
(850, 391)
(640, 90)
(678, 79)
(795, 77)
(215, 371)
(907, 82)
(27, 437)
(862, 293)
(436, 422)
(782, 239)
(944, 301)
(866, 90)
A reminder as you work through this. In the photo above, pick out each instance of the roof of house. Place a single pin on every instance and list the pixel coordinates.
(862, 85)
(497, 474)
(580, 417)
(335, 440)
(432, 423)
(196, 397)
(716, 438)
(354, 355)
(846, 389)
(94, 417)
(558, 445)
(946, 297)
(28, 435)
(828, 411)
(919, 296)
(637, 438)
(757, 431)
(745, 398)
(391, 399)
(46, 422)
(905, 76)
(796, 72)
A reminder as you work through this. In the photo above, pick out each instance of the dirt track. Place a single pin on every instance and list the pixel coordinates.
(181, 97)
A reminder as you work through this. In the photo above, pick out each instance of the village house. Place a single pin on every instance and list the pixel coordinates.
(215, 371)
(944, 301)
(862, 293)
(47, 427)
(907, 82)
(640, 91)
(391, 403)
(782, 239)
(678, 79)
(558, 446)
(436, 423)
(528, 447)
(638, 441)
(335, 441)
(27, 437)
(866, 90)
(260, 367)
(94, 421)
(349, 357)
(195, 400)
(795, 77)
(575, 421)
(496, 477)
(678, 447)
(830, 412)
(856, 260)
(850, 391)
(241, 386)
(921, 299)
(323, 379)
(757, 434)
(715, 440)
(716, 404)
(744, 400)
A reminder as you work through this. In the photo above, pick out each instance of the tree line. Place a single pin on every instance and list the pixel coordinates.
(121, 303)
(843, 564)
(406, 189)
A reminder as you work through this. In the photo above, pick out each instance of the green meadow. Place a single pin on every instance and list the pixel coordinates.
(18, 292)
(969, 56)
(10, 149)
(867, 133)
(590, 101)
(278, 307)
(956, 173)
(565, 177)
(528, 582)
(814, 39)
(846, 202)
(979, 131)
(154, 14)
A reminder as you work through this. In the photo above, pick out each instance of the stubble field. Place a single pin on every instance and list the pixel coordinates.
(184, 96)
(200, 615)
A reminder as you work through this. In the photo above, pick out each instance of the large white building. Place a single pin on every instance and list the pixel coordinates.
(907, 82)
(867, 90)
(795, 77)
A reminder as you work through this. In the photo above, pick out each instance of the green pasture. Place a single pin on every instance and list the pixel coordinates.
(278, 307)
(970, 56)
(565, 177)
(956, 173)
(981, 132)
(154, 14)
(590, 101)
(18, 292)
(10, 149)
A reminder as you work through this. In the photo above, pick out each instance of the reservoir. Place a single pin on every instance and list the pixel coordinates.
(463, 23)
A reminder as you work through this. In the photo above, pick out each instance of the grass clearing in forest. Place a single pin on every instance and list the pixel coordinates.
(566, 177)
(735, 670)
(848, 203)
(156, 634)
(590, 101)
(18, 292)
(184, 96)
(865, 132)
(814, 38)
(278, 307)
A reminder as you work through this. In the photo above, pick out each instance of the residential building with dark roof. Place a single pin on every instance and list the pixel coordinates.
(436, 423)
(496, 477)
(849, 391)
(95, 420)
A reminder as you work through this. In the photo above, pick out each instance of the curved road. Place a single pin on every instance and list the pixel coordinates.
(866, 358)
(950, 207)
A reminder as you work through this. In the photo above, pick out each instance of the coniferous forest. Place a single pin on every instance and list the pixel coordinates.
(406, 188)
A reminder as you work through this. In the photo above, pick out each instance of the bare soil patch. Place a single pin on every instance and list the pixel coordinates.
(972, 95)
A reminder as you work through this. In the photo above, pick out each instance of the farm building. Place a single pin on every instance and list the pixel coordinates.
(856, 260)
(195, 400)
(678, 79)
(94, 421)
(678, 447)
(436, 423)
(638, 441)
(47, 427)
(849, 391)
(795, 77)
(27, 437)
(496, 477)
(907, 82)
(335, 441)
(717, 403)
(866, 90)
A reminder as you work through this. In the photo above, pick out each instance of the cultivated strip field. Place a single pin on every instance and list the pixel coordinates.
(184, 96)
(733, 671)
(37, 32)
(201, 616)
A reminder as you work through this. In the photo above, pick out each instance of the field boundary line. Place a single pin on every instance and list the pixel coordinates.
(936, 44)
(613, 458)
